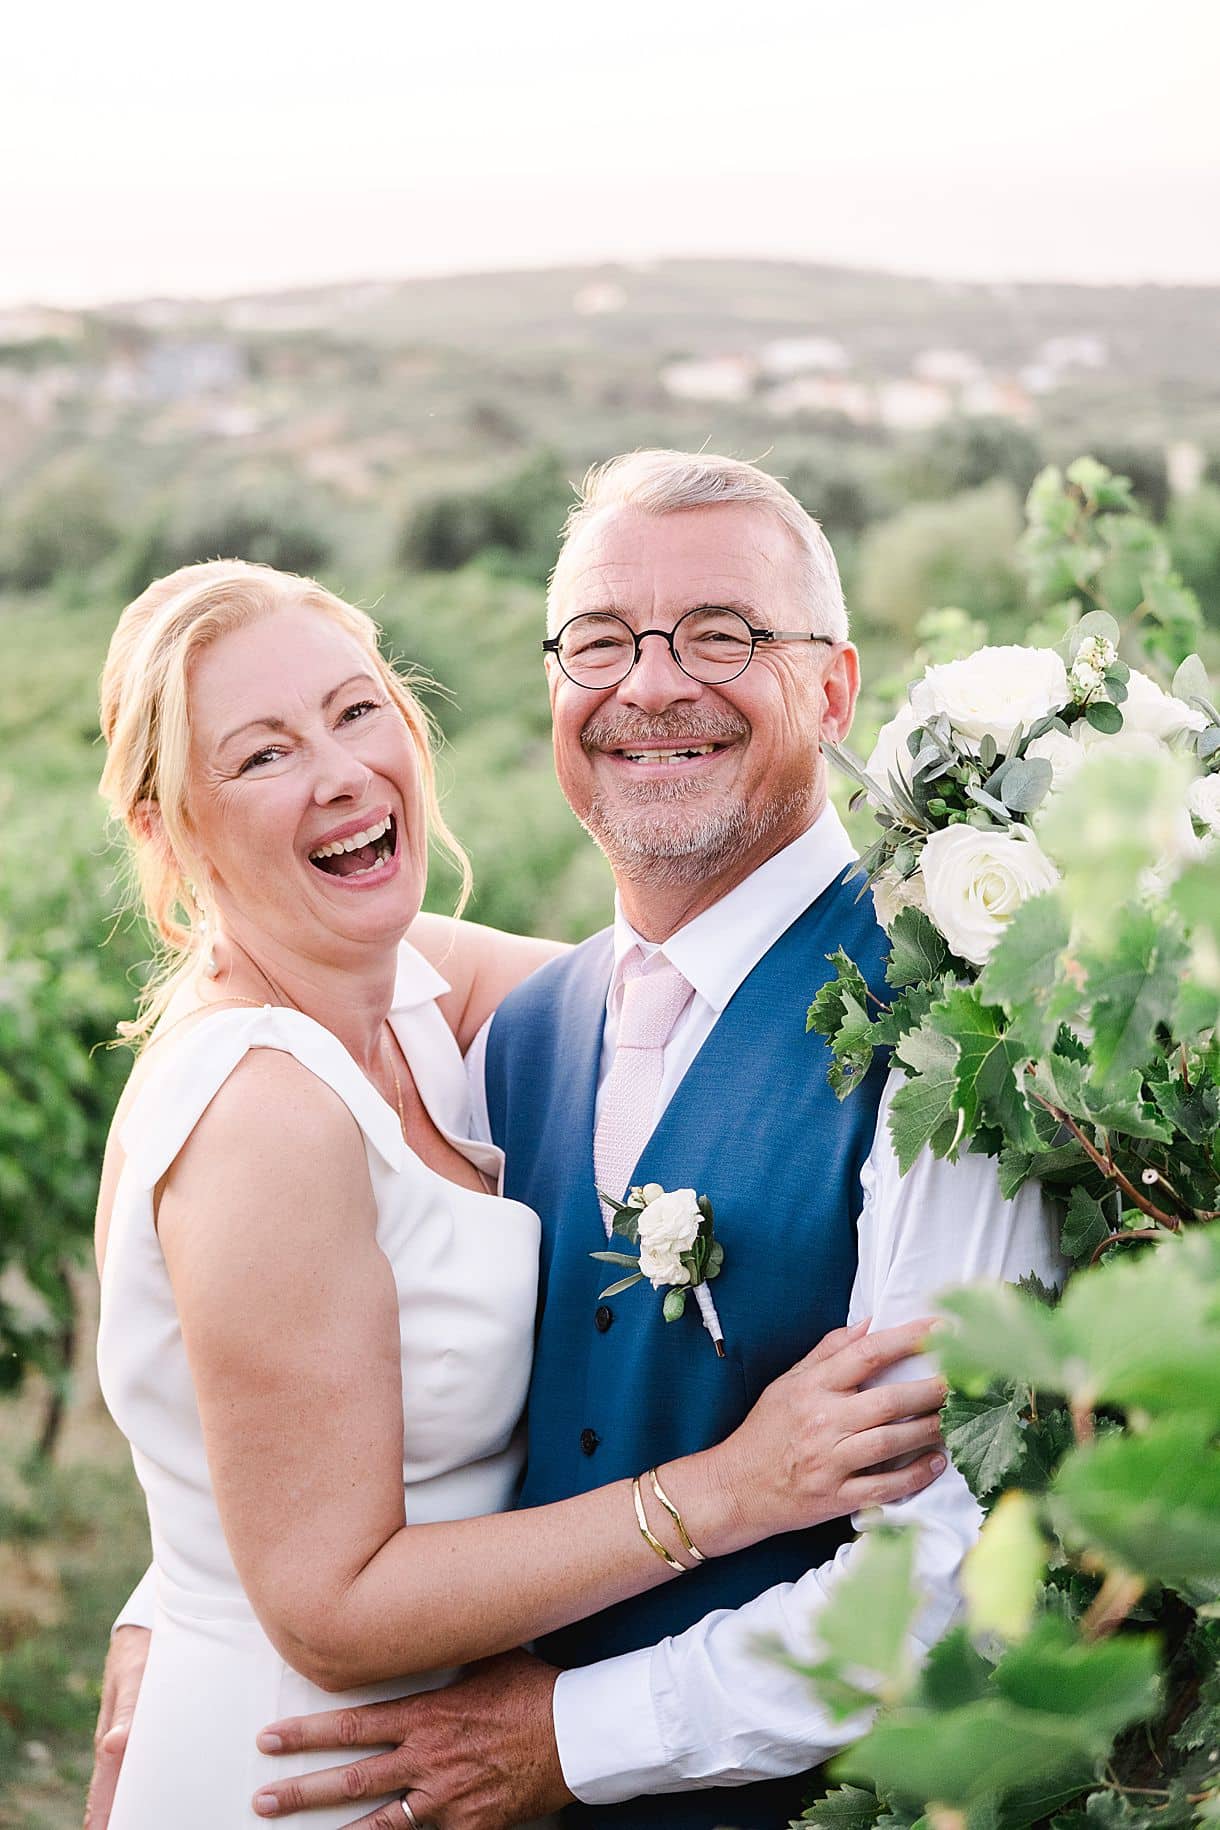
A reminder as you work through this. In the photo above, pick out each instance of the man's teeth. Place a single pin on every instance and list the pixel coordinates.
(706, 749)
(355, 842)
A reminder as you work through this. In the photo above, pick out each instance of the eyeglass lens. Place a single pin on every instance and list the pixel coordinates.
(710, 645)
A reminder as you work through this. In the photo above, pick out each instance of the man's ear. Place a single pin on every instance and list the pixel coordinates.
(841, 685)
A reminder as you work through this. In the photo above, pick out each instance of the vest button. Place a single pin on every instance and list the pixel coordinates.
(589, 1440)
(602, 1318)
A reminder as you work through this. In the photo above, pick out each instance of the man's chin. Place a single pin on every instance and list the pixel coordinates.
(669, 843)
(664, 843)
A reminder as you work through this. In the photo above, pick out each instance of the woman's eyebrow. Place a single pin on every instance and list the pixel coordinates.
(277, 724)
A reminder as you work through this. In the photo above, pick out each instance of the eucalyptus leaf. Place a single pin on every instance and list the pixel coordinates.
(1026, 784)
(1104, 717)
(624, 1283)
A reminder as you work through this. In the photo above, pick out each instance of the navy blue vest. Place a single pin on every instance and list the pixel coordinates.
(756, 1128)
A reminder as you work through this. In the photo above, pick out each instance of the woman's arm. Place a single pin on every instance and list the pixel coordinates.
(290, 1318)
(481, 964)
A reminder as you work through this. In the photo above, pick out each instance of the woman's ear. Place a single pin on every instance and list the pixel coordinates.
(148, 824)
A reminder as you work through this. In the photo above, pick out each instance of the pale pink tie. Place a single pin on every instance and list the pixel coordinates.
(654, 996)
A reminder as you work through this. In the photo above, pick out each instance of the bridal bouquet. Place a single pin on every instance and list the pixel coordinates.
(1047, 868)
(1045, 871)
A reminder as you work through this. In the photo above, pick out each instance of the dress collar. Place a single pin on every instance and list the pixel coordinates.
(416, 981)
(721, 947)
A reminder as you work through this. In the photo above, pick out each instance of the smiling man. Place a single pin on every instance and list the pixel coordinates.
(697, 658)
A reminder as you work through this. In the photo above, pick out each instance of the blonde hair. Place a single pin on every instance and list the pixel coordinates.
(145, 720)
(667, 482)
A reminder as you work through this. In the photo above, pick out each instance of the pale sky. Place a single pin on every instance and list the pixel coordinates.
(147, 148)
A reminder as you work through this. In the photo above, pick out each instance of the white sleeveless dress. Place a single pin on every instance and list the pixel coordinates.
(465, 1265)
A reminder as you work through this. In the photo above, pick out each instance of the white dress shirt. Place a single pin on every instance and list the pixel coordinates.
(707, 1708)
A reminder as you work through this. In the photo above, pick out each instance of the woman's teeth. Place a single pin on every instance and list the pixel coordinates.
(354, 843)
(356, 856)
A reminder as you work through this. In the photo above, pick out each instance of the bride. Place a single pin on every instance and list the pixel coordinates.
(317, 1314)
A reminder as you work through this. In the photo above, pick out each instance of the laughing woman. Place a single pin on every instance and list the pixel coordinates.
(317, 1314)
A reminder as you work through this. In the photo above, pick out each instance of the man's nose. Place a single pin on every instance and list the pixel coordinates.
(656, 680)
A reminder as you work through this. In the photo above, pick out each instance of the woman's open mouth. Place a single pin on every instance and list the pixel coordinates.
(360, 853)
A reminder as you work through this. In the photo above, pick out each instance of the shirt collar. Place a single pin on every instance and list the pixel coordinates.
(722, 946)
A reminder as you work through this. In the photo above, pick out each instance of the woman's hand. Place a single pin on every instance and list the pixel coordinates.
(814, 1444)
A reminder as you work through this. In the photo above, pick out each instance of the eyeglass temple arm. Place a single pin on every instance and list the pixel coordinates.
(790, 635)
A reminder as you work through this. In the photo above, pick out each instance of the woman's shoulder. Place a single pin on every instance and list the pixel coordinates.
(266, 1081)
(480, 965)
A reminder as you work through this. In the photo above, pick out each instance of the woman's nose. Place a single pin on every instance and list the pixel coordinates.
(340, 775)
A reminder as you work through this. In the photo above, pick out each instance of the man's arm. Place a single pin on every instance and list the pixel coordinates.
(705, 1708)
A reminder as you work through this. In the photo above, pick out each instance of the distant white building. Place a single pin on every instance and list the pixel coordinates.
(181, 371)
(803, 356)
(951, 368)
(1184, 462)
(33, 323)
(710, 378)
(822, 394)
(913, 406)
(598, 299)
(997, 396)
(1083, 351)
(1055, 359)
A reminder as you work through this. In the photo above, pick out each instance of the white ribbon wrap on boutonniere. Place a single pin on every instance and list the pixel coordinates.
(679, 1251)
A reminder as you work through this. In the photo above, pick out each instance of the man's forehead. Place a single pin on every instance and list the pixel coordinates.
(705, 555)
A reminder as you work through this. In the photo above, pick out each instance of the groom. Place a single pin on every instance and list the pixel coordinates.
(697, 655)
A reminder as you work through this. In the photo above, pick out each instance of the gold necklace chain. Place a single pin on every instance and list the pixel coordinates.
(389, 1057)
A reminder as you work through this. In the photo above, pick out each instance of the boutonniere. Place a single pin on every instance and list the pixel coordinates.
(679, 1251)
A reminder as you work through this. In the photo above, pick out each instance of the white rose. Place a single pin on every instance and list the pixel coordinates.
(668, 1227)
(892, 893)
(1147, 708)
(976, 880)
(1204, 801)
(1130, 741)
(993, 691)
(1063, 753)
(890, 755)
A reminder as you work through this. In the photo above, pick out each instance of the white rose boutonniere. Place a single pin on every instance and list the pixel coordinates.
(679, 1251)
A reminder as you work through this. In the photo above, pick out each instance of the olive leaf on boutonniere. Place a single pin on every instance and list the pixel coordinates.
(679, 1251)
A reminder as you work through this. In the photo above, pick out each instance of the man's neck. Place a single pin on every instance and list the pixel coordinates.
(657, 909)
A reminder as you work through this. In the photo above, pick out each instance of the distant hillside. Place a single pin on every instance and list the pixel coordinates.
(360, 400)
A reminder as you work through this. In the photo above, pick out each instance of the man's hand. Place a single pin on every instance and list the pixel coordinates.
(121, 1680)
(476, 1755)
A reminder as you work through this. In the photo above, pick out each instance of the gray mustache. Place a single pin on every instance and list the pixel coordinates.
(623, 730)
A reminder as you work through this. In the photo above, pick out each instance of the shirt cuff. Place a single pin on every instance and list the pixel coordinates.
(610, 1746)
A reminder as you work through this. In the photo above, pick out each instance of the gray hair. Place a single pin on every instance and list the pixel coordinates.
(666, 482)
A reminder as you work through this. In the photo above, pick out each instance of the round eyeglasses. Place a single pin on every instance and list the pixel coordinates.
(598, 649)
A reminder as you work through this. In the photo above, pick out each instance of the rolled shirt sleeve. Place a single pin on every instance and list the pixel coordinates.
(709, 1707)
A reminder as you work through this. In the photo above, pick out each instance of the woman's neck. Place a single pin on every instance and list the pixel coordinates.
(350, 998)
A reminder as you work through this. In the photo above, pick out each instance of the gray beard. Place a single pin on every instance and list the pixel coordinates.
(681, 850)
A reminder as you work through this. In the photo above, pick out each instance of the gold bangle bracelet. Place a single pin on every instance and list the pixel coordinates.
(650, 1538)
(677, 1518)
